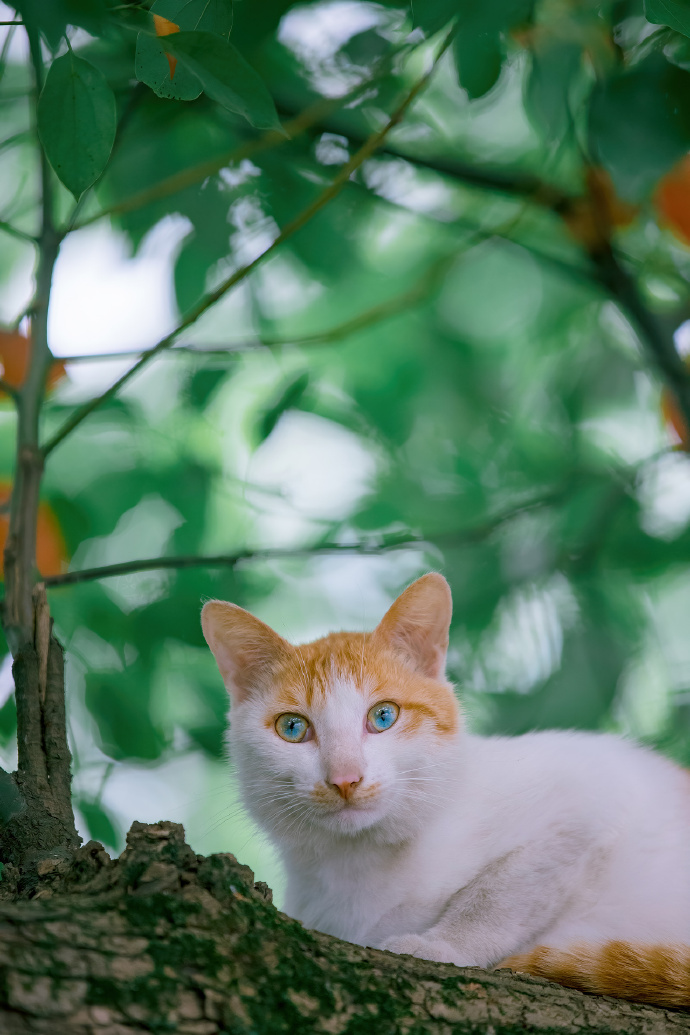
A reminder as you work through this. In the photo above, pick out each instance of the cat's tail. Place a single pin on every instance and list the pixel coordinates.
(658, 974)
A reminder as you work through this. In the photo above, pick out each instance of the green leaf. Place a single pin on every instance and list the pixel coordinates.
(479, 44)
(52, 18)
(225, 76)
(289, 398)
(203, 383)
(151, 63)
(151, 66)
(546, 94)
(675, 13)
(206, 16)
(638, 150)
(432, 15)
(76, 121)
(479, 57)
(119, 702)
(8, 720)
(99, 822)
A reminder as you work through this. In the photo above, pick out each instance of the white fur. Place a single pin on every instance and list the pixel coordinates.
(473, 848)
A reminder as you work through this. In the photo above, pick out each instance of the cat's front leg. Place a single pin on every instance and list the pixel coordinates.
(509, 905)
(427, 948)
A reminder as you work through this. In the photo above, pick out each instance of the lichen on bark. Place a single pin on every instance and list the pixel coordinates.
(163, 940)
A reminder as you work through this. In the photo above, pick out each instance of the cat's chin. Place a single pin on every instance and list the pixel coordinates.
(349, 820)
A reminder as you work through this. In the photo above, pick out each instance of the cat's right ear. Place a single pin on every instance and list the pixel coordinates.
(247, 651)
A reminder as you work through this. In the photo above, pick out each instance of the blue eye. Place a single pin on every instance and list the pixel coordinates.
(382, 716)
(292, 728)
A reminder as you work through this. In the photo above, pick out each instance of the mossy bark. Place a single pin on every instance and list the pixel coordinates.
(163, 940)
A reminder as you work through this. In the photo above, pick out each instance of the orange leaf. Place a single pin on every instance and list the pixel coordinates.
(671, 412)
(51, 552)
(14, 358)
(672, 199)
(164, 27)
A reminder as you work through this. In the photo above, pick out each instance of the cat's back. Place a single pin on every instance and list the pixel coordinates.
(606, 796)
(556, 775)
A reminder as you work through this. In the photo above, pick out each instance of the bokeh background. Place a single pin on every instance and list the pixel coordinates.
(433, 374)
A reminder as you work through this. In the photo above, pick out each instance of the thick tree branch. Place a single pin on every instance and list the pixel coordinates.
(210, 299)
(42, 821)
(166, 940)
(20, 552)
(656, 339)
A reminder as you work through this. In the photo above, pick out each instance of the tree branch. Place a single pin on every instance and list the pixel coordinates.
(163, 938)
(514, 183)
(370, 317)
(43, 823)
(327, 195)
(379, 544)
(20, 551)
(656, 340)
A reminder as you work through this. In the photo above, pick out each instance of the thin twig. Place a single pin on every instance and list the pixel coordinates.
(16, 138)
(287, 232)
(14, 231)
(268, 140)
(376, 314)
(5, 52)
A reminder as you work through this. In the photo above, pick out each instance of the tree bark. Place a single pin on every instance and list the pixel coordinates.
(163, 940)
(36, 818)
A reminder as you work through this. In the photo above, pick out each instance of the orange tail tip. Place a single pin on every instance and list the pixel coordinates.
(658, 974)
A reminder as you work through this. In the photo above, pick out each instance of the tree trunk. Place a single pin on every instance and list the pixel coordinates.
(163, 940)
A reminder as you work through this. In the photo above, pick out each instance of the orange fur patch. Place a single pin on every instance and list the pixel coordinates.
(312, 669)
(658, 974)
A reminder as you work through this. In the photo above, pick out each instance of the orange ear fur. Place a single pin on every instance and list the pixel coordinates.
(416, 626)
(247, 651)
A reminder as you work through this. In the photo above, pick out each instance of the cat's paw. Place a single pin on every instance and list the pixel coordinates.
(424, 948)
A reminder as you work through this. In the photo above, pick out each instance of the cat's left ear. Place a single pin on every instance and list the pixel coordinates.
(416, 626)
(247, 651)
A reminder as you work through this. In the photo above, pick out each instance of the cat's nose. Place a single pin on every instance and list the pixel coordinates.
(345, 783)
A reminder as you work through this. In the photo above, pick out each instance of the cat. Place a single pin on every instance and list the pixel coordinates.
(560, 854)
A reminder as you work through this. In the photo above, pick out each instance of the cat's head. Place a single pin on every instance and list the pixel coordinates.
(354, 731)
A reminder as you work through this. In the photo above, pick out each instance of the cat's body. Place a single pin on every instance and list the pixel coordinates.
(593, 833)
(420, 838)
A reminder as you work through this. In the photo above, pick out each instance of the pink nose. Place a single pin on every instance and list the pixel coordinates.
(345, 784)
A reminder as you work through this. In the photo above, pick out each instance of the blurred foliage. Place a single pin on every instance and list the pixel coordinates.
(438, 369)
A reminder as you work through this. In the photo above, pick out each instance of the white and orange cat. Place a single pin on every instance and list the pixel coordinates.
(562, 854)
